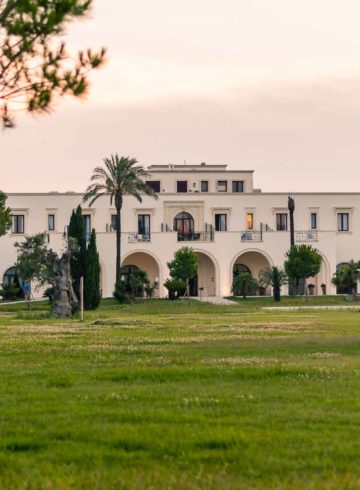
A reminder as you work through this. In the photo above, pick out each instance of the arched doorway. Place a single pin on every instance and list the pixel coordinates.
(253, 262)
(10, 276)
(143, 261)
(343, 289)
(184, 225)
(204, 284)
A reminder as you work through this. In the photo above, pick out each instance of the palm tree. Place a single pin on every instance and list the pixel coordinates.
(118, 177)
(274, 277)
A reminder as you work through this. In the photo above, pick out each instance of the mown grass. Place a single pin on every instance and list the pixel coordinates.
(171, 395)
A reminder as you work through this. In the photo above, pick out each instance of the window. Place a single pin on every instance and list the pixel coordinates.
(249, 221)
(144, 224)
(87, 226)
(18, 223)
(154, 184)
(220, 222)
(343, 221)
(181, 186)
(51, 222)
(204, 186)
(281, 221)
(313, 221)
(238, 186)
(222, 185)
(113, 222)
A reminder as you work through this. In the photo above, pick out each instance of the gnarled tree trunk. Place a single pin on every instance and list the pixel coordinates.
(65, 302)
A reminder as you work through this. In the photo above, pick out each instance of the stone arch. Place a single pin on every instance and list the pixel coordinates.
(208, 273)
(254, 260)
(147, 261)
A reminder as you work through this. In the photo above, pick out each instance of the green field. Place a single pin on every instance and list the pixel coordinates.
(172, 395)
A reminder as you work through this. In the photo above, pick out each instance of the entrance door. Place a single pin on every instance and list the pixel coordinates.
(193, 286)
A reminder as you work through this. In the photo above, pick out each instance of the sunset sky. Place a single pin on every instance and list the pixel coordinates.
(269, 85)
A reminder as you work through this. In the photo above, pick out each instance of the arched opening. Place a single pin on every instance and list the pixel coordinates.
(204, 284)
(343, 289)
(318, 284)
(141, 261)
(253, 262)
(10, 276)
(240, 268)
(184, 225)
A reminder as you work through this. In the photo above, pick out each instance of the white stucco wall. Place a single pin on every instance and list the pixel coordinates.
(227, 246)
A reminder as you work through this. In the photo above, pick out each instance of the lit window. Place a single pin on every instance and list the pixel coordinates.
(250, 221)
(343, 221)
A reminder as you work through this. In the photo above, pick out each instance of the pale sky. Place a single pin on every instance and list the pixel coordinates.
(269, 85)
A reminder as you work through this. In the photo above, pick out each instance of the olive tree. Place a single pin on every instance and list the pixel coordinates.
(302, 261)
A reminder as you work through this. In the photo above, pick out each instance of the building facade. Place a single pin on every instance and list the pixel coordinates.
(231, 225)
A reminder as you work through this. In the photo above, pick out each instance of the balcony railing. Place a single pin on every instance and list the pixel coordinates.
(252, 236)
(306, 236)
(200, 236)
(139, 237)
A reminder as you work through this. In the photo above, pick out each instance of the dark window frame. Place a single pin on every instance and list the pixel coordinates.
(237, 186)
(342, 224)
(51, 226)
(219, 224)
(313, 221)
(206, 182)
(182, 184)
(280, 225)
(154, 184)
(143, 229)
(18, 225)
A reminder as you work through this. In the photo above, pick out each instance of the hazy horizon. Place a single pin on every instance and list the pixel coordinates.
(268, 86)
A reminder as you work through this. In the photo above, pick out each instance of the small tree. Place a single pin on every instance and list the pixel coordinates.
(36, 262)
(274, 277)
(184, 266)
(347, 276)
(76, 233)
(92, 294)
(30, 264)
(244, 284)
(302, 261)
(176, 288)
(5, 215)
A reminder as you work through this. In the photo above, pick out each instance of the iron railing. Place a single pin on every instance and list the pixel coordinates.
(306, 235)
(252, 235)
(139, 237)
(200, 236)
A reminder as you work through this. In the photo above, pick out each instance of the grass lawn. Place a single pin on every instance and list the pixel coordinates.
(172, 395)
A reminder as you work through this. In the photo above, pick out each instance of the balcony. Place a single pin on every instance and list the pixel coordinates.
(199, 236)
(251, 236)
(139, 238)
(306, 236)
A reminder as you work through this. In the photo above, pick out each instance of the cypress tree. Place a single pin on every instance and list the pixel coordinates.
(92, 275)
(78, 261)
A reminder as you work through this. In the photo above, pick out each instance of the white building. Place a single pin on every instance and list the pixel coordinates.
(231, 226)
